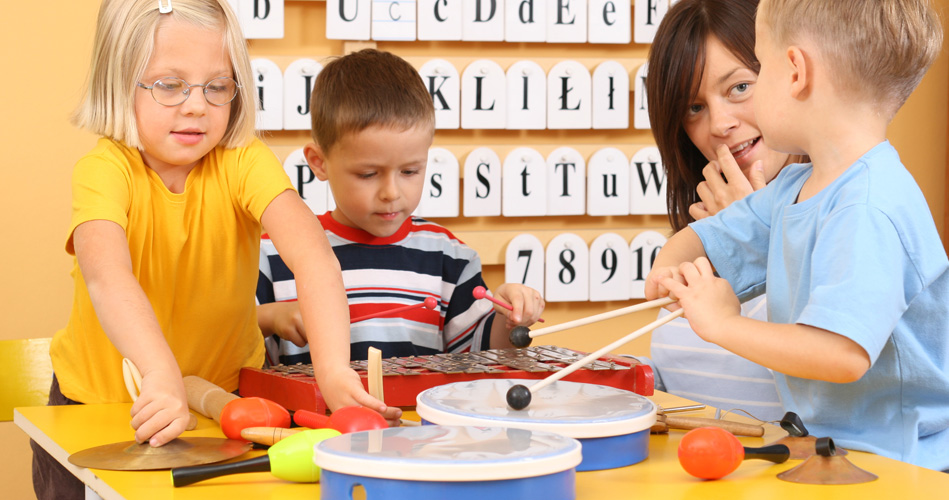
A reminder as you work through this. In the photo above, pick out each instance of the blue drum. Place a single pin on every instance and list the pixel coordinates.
(451, 462)
(612, 424)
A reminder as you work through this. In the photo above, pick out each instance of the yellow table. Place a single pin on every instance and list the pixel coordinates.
(64, 430)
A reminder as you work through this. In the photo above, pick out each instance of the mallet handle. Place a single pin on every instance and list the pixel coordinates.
(601, 317)
(576, 365)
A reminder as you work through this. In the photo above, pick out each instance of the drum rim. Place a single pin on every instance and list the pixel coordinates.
(602, 428)
(406, 468)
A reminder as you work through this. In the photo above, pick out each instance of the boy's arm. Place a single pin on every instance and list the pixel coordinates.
(526, 308)
(161, 412)
(302, 244)
(684, 246)
(798, 350)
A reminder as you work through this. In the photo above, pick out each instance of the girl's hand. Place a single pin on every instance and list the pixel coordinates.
(709, 301)
(161, 412)
(655, 287)
(284, 320)
(341, 386)
(526, 302)
(716, 192)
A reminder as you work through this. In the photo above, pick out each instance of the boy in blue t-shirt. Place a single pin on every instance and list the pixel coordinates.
(856, 274)
(373, 124)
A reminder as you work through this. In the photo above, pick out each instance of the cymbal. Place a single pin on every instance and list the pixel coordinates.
(180, 452)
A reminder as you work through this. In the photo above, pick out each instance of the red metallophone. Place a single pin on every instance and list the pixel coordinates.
(404, 378)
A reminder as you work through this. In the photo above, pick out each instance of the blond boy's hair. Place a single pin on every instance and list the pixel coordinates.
(367, 88)
(878, 49)
(124, 42)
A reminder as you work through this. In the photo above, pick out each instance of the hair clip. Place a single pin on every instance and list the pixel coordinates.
(164, 9)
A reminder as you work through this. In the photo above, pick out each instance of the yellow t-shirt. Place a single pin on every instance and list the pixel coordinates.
(195, 255)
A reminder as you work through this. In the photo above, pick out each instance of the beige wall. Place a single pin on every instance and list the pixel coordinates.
(46, 52)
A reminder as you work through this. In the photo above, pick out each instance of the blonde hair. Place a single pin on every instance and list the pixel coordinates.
(879, 49)
(124, 42)
(367, 88)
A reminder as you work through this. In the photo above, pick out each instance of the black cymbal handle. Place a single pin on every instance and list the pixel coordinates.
(183, 476)
(777, 453)
(793, 424)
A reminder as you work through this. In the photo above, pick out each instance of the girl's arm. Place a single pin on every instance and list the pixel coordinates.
(798, 350)
(161, 412)
(302, 244)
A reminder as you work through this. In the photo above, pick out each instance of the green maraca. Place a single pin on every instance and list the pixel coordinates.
(290, 459)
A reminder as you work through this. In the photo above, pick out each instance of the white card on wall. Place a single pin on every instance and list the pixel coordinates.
(647, 16)
(443, 83)
(525, 20)
(524, 262)
(268, 83)
(524, 183)
(393, 20)
(483, 96)
(261, 18)
(315, 193)
(568, 96)
(610, 21)
(610, 96)
(348, 19)
(566, 182)
(526, 96)
(609, 268)
(482, 183)
(566, 21)
(643, 251)
(440, 196)
(647, 182)
(439, 20)
(298, 80)
(567, 276)
(608, 183)
(482, 20)
(640, 103)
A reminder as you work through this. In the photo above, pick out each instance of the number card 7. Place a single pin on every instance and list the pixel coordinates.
(524, 262)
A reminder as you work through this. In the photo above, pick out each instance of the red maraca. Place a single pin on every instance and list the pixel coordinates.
(713, 453)
(345, 420)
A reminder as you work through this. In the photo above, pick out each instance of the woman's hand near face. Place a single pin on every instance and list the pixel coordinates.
(717, 192)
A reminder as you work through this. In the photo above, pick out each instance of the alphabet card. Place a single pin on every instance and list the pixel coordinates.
(640, 106)
(610, 96)
(298, 81)
(439, 20)
(525, 20)
(483, 95)
(268, 79)
(609, 268)
(524, 262)
(647, 17)
(440, 195)
(443, 83)
(567, 275)
(567, 21)
(566, 175)
(348, 19)
(482, 183)
(647, 187)
(315, 193)
(610, 21)
(393, 20)
(608, 183)
(568, 96)
(261, 18)
(526, 96)
(643, 251)
(524, 184)
(482, 20)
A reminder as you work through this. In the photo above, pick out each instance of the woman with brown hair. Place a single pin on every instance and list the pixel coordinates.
(700, 86)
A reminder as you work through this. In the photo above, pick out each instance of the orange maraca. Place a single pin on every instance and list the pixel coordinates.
(713, 453)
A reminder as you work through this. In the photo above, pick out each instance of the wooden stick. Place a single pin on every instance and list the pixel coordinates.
(576, 365)
(374, 375)
(601, 317)
(268, 436)
(206, 398)
(736, 428)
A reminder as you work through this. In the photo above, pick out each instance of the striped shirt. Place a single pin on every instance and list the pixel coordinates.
(420, 260)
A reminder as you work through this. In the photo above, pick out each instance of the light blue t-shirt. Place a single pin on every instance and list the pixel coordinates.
(861, 259)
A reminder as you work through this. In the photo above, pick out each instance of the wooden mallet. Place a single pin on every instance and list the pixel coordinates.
(231, 412)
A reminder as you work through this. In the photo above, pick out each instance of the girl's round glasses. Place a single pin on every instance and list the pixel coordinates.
(172, 91)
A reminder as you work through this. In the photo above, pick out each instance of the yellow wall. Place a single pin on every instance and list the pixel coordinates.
(45, 54)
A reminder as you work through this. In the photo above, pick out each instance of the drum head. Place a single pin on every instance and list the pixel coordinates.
(574, 409)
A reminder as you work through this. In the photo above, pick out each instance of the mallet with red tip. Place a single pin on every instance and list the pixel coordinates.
(428, 303)
(480, 292)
